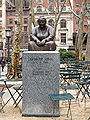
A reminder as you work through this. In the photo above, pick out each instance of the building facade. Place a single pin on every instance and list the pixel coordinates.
(45, 8)
(77, 5)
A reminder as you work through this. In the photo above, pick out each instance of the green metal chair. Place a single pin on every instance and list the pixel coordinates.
(83, 85)
(64, 96)
(10, 92)
(17, 89)
(70, 78)
(1, 101)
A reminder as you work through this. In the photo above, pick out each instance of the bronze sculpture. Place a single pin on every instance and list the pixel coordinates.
(42, 37)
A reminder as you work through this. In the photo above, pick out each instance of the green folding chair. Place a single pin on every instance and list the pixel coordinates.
(64, 96)
(1, 101)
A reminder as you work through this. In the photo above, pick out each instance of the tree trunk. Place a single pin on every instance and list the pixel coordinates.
(58, 16)
(31, 18)
(88, 42)
(79, 40)
(14, 68)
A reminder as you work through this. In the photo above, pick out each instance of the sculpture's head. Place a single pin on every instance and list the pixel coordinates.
(42, 21)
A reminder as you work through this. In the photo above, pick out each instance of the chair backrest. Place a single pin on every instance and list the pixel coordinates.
(86, 75)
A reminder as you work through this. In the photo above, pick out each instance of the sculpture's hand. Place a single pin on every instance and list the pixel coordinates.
(43, 42)
(40, 43)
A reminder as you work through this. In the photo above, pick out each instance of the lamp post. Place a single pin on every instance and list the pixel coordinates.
(8, 36)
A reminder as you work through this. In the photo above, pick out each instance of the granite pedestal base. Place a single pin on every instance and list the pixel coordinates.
(40, 70)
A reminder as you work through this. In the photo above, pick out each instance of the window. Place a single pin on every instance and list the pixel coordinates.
(61, 0)
(21, 40)
(51, 8)
(38, 1)
(26, 39)
(51, 22)
(50, 1)
(25, 12)
(63, 38)
(10, 21)
(10, 13)
(78, 12)
(88, 5)
(25, 21)
(25, 4)
(78, 5)
(77, 22)
(63, 23)
(39, 8)
(25, 28)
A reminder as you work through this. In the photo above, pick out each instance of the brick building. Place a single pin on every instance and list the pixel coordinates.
(77, 5)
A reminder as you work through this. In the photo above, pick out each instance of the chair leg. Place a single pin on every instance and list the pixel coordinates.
(18, 97)
(85, 104)
(83, 97)
(2, 103)
(69, 109)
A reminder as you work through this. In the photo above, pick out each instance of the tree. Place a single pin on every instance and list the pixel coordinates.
(31, 18)
(79, 39)
(58, 15)
(14, 67)
(88, 41)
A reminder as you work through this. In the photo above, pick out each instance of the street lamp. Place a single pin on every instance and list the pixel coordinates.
(8, 36)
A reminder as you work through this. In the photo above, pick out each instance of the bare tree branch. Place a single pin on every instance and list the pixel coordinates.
(56, 22)
(79, 41)
(73, 10)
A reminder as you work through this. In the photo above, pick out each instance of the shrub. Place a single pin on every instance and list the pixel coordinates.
(66, 54)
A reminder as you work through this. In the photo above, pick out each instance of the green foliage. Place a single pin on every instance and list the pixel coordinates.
(83, 57)
(66, 54)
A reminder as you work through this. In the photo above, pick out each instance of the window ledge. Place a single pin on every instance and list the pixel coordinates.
(63, 29)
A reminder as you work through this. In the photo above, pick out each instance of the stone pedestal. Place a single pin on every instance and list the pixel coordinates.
(40, 70)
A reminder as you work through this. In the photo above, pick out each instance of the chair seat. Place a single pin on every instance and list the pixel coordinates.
(69, 87)
(64, 96)
(1, 101)
(17, 88)
(83, 82)
(1, 94)
(86, 93)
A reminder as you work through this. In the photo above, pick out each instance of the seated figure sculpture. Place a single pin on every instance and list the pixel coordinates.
(42, 37)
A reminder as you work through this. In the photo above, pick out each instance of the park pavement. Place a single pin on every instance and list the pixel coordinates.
(78, 110)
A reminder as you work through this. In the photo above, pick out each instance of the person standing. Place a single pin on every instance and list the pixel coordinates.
(2, 63)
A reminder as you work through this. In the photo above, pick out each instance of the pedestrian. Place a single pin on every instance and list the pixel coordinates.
(2, 63)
